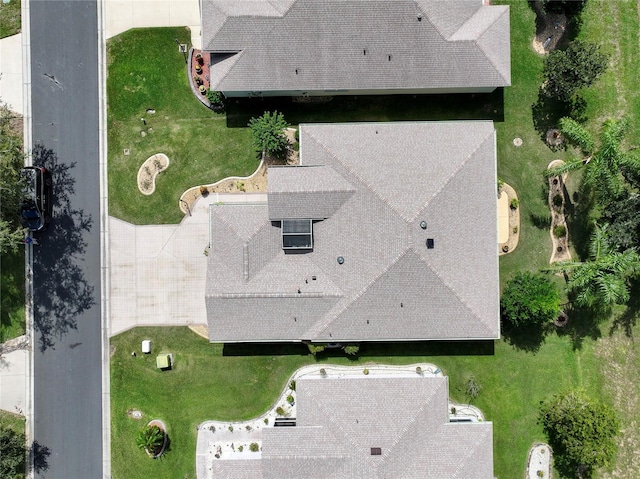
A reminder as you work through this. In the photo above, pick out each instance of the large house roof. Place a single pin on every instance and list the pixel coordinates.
(339, 421)
(369, 186)
(332, 45)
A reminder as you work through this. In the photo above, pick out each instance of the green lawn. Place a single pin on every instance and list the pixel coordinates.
(12, 319)
(146, 71)
(206, 384)
(10, 20)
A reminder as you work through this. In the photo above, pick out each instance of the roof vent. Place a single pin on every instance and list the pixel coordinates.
(376, 451)
(430, 243)
(340, 260)
(423, 225)
(419, 17)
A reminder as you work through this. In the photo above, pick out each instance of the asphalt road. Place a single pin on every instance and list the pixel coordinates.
(67, 320)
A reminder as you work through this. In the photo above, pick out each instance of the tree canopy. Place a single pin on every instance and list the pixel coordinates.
(604, 163)
(268, 133)
(603, 280)
(566, 71)
(530, 299)
(11, 161)
(581, 432)
(12, 453)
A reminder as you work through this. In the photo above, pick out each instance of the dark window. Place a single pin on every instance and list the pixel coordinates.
(376, 451)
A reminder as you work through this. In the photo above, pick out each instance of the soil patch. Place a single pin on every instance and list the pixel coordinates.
(550, 28)
(149, 170)
(557, 197)
(514, 220)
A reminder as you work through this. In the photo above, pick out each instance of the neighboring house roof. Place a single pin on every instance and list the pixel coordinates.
(310, 45)
(340, 420)
(370, 185)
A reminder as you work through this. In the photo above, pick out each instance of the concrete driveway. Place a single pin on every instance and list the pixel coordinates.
(158, 272)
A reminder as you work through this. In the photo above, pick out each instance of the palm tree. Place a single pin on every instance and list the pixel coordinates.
(602, 165)
(150, 438)
(602, 280)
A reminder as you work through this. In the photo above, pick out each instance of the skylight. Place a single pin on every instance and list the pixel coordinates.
(297, 234)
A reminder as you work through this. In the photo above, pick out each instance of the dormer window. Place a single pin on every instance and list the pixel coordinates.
(297, 234)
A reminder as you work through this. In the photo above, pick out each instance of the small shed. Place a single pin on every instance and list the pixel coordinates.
(164, 361)
(146, 346)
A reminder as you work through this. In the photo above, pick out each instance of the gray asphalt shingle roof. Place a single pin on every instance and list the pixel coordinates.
(378, 182)
(339, 420)
(310, 45)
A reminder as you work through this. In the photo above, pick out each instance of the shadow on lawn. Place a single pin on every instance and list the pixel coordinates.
(468, 106)
(628, 319)
(368, 349)
(61, 292)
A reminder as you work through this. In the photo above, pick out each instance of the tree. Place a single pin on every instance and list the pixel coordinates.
(150, 438)
(581, 432)
(12, 453)
(569, 7)
(268, 133)
(530, 300)
(11, 161)
(602, 280)
(566, 71)
(623, 222)
(603, 165)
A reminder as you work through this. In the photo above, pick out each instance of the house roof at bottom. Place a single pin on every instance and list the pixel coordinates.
(310, 45)
(389, 179)
(339, 421)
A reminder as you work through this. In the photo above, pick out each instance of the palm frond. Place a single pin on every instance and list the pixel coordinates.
(577, 134)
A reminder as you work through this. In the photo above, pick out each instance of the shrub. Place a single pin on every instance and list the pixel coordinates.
(292, 384)
(253, 447)
(240, 185)
(365, 371)
(323, 372)
(231, 428)
(240, 448)
(215, 97)
(315, 348)
(558, 200)
(280, 411)
(204, 191)
(559, 231)
(290, 399)
(530, 299)
(500, 184)
(581, 432)
(266, 420)
(150, 438)
(419, 370)
(268, 133)
(352, 349)
(514, 203)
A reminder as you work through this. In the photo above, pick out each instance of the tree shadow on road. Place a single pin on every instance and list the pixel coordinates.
(61, 292)
(40, 455)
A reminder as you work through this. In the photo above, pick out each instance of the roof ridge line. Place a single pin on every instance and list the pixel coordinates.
(453, 174)
(359, 294)
(477, 42)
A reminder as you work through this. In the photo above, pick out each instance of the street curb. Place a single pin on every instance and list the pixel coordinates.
(104, 241)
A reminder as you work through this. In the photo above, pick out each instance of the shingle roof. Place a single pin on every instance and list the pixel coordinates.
(390, 286)
(307, 45)
(339, 420)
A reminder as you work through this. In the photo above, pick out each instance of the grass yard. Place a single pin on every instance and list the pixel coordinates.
(206, 384)
(146, 71)
(12, 319)
(10, 21)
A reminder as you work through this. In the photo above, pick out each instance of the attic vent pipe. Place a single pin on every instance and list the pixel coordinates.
(420, 17)
(340, 260)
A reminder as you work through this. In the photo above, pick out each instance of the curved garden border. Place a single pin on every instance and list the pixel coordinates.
(165, 436)
(514, 221)
(540, 459)
(231, 439)
(189, 197)
(146, 169)
(560, 250)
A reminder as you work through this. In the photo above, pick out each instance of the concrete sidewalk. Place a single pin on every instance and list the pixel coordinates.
(158, 272)
(13, 373)
(11, 72)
